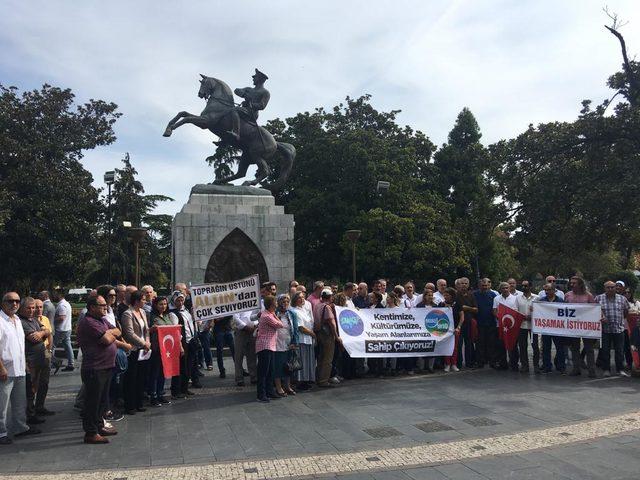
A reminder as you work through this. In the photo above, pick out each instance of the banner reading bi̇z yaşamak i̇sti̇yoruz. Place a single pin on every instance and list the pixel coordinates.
(216, 300)
(396, 332)
(567, 319)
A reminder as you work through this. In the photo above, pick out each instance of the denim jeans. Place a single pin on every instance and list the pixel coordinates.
(546, 353)
(65, 339)
(617, 340)
(13, 406)
(205, 356)
(222, 339)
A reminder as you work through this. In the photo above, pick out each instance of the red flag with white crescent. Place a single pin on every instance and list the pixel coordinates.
(169, 340)
(509, 321)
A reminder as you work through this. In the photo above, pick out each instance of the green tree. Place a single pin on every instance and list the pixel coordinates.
(48, 208)
(341, 155)
(462, 166)
(131, 204)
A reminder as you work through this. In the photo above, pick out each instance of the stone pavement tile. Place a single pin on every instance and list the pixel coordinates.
(556, 465)
(355, 476)
(390, 475)
(158, 462)
(458, 471)
(603, 461)
(503, 465)
(425, 473)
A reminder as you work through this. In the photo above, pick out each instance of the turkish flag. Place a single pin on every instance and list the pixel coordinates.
(169, 340)
(509, 321)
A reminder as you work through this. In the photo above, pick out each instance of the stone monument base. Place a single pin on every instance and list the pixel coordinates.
(224, 233)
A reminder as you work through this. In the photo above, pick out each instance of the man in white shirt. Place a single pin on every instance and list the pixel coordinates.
(63, 329)
(524, 302)
(512, 287)
(438, 295)
(13, 389)
(552, 280)
(505, 298)
(244, 326)
(409, 299)
(349, 291)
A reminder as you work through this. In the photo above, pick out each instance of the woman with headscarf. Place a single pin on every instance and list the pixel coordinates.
(306, 337)
(286, 342)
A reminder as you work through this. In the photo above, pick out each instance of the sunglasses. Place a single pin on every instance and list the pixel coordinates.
(12, 300)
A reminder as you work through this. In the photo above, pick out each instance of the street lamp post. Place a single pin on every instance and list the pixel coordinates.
(382, 187)
(353, 236)
(137, 235)
(109, 179)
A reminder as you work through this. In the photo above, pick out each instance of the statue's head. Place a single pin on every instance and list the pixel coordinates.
(259, 78)
(205, 87)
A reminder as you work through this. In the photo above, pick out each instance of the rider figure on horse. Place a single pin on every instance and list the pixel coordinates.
(256, 98)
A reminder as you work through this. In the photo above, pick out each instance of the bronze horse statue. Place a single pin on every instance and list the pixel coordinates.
(255, 142)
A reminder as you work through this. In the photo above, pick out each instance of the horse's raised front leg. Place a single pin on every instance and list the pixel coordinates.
(243, 166)
(171, 124)
(195, 120)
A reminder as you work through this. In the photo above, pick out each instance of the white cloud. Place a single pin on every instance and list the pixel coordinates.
(512, 63)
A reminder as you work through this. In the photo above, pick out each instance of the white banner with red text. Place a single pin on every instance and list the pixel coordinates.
(396, 332)
(567, 319)
(216, 300)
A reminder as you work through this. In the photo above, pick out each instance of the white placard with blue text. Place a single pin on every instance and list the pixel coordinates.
(396, 332)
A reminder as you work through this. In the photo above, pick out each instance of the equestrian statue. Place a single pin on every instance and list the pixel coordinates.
(236, 125)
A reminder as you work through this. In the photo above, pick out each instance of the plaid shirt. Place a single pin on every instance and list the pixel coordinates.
(268, 326)
(614, 311)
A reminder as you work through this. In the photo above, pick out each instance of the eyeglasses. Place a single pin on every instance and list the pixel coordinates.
(111, 295)
(12, 300)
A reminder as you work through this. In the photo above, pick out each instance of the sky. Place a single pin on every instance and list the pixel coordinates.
(513, 63)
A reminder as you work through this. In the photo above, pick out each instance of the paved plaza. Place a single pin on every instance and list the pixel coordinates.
(473, 424)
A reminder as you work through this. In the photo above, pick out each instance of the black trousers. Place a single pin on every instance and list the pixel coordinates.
(265, 373)
(135, 381)
(466, 345)
(95, 383)
(487, 342)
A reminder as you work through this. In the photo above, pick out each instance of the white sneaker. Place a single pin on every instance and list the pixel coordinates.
(107, 424)
(447, 368)
(334, 380)
(622, 373)
(606, 373)
(455, 368)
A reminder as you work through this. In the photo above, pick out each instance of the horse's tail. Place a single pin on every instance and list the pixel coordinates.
(288, 154)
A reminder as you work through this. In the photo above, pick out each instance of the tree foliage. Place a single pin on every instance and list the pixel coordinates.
(131, 204)
(49, 210)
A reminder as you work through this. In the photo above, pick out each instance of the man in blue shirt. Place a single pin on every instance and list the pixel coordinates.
(487, 329)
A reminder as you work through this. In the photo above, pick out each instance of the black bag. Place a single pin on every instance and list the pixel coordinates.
(294, 362)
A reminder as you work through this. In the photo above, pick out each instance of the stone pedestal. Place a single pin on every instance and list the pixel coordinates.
(226, 233)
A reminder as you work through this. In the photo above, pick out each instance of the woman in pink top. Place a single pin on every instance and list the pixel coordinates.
(268, 326)
(580, 294)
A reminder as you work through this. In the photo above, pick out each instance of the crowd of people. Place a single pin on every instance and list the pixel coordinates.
(291, 344)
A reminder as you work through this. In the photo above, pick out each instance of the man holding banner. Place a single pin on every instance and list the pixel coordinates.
(550, 297)
(579, 294)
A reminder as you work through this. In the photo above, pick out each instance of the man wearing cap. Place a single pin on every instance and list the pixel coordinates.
(326, 329)
(256, 98)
